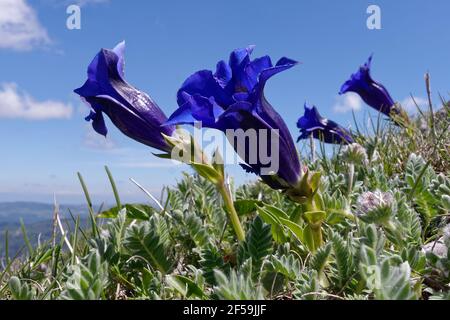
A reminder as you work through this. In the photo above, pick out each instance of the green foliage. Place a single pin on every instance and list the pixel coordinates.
(20, 290)
(389, 278)
(236, 286)
(210, 260)
(343, 260)
(185, 248)
(148, 241)
(320, 258)
(257, 245)
(287, 265)
(86, 280)
(418, 176)
(307, 286)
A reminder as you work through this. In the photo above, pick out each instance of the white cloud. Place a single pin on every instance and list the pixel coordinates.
(20, 28)
(16, 104)
(409, 104)
(346, 103)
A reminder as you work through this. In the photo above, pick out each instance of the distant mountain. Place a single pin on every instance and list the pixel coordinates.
(38, 221)
(35, 211)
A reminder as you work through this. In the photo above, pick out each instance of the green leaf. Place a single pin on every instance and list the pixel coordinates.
(276, 212)
(208, 172)
(19, 290)
(320, 258)
(210, 260)
(343, 256)
(315, 216)
(86, 280)
(143, 240)
(388, 279)
(287, 265)
(139, 212)
(257, 245)
(307, 286)
(110, 214)
(236, 286)
(185, 286)
(296, 230)
(246, 206)
(197, 231)
(271, 215)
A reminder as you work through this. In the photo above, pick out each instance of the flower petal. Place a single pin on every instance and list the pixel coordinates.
(132, 124)
(203, 83)
(312, 123)
(98, 122)
(223, 73)
(195, 109)
(130, 109)
(372, 92)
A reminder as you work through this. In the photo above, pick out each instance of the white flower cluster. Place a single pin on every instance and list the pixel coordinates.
(370, 201)
(355, 153)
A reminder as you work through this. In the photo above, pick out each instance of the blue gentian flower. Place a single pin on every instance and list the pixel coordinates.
(373, 93)
(232, 97)
(312, 123)
(132, 111)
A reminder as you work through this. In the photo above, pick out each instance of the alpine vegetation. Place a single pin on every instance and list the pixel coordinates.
(367, 217)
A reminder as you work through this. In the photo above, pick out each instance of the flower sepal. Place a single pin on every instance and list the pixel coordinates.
(183, 148)
(315, 217)
(399, 116)
(186, 150)
(208, 172)
(214, 171)
(306, 189)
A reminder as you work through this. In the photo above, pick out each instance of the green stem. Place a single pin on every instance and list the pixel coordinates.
(316, 226)
(351, 174)
(316, 230)
(234, 218)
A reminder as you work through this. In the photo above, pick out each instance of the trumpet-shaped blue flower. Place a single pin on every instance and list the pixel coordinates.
(232, 97)
(373, 93)
(312, 123)
(132, 111)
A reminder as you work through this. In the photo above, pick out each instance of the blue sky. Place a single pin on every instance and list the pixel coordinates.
(45, 140)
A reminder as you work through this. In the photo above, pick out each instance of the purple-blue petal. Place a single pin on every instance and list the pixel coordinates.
(130, 109)
(133, 125)
(203, 83)
(196, 108)
(373, 93)
(312, 123)
(98, 122)
(233, 98)
(223, 73)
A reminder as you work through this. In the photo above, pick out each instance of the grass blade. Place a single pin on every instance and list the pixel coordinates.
(114, 187)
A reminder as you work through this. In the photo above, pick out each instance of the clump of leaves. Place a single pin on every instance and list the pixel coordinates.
(184, 247)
